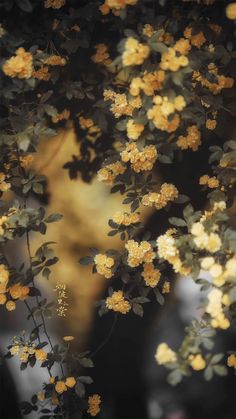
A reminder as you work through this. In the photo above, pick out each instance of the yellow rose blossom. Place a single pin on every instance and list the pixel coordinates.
(41, 396)
(40, 355)
(108, 173)
(60, 387)
(140, 160)
(168, 193)
(196, 40)
(192, 140)
(3, 299)
(166, 287)
(148, 83)
(151, 275)
(10, 305)
(20, 65)
(134, 130)
(94, 404)
(138, 252)
(55, 60)
(215, 309)
(118, 303)
(182, 46)
(148, 30)
(171, 61)
(54, 4)
(42, 73)
(165, 355)
(211, 182)
(135, 53)
(124, 218)
(65, 114)
(211, 124)
(104, 264)
(197, 362)
(102, 55)
(231, 361)
(70, 382)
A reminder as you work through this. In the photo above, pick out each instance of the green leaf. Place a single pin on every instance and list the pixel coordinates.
(52, 218)
(177, 222)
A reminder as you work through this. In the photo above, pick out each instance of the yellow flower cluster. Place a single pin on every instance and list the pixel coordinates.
(160, 113)
(62, 386)
(165, 355)
(196, 40)
(65, 114)
(134, 130)
(215, 309)
(211, 124)
(108, 173)
(20, 65)
(171, 61)
(102, 55)
(222, 82)
(104, 265)
(197, 362)
(139, 253)
(205, 241)
(16, 291)
(168, 193)
(24, 351)
(94, 404)
(55, 60)
(191, 140)
(135, 53)
(148, 83)
(118, 303)
(25, 161)
(211, 182)
(54, 4)
(166, 287)
(121, 105)
(148, 30)
(219, 273)
(140, 160)
(151, 275)
(42, 73)
(182, 46)
(4, 186)
(166, 249)
(231, 361)
(124, 218)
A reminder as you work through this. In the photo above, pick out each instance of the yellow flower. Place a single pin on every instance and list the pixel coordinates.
(134, 130)
(54, 4)
(151, 275)
(108, 173)
(211, 182)
(211, 124)
(148, 30)
(166, 287)
(42, 73)
(94, 404)
(168, 193)
(14, 350)
(197, 362)
(135, 53)
(196, 40)
(104, 264)
(70, 382)
(191, 140)
(102, 55)
(182, 46)
(139, 252)
(165, 355)
(4, 186)
(68, 338)
(231, 361)
(10, 305)
(52, 380)
(20, 65)
(40, 355)
(231, 11)
(65, 114)
(118, 303)
(41, 396)
(140, 160)
(60, 387)
(207, 262)
(55, 60)
(170, 61)
(125, 218)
